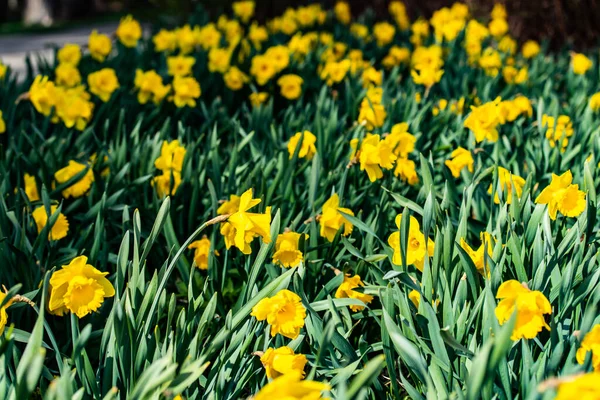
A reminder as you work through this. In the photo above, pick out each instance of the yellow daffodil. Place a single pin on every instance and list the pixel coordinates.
(580, 63)
(78, 188)
(307, 148)
(584, 387)
(478, 256)
(245, 223)
(180, 65)
(282, 361)
(290, 86)
(417, 248)
(129, 31)
(59, 229)
(70, 53)
(345, 290)
(287, 253)
(590, 344)
(460, 158)
(103, 83)
(507, 182)
(67, 75)
(99, 46)
(484, 120)
(185, 91)
(235, 79)
(201, 251)
(563, 196)
(331, 220)
(284, 312)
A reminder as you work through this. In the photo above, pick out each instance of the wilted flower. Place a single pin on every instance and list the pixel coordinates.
(531, 306)
(345, 290)
(3, 313)
(78, 288)
(59, 229)
(81, 186)
(284, 312)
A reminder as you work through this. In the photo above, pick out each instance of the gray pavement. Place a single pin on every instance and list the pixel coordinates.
(14, 47)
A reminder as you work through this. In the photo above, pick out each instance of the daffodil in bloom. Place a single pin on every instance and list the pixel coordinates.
(342, 12)
(558, 130)
(167, 183)
(345, 290)
(150, 87)
(420, 31)
(67, 75)
(219, 60)
(282, 361)
(242, 226)
(307, 148)
(335, 72)
(426, 76)
(590, 344)
(70, 53)
(43, 95)
(417, 248)
(263, 69)
(170, 163)
(31, 189)
(290, 86)
(530, 306)
(373, 155)
(478, 256)
(401, 140)
(165, 40)
(530, 49)
(284, 312)
(185, 91)
(397, 10)
(279, 56)
(244, 10)
(498, 27)
(3, 69)
(180, 65)
(415, 297)
(99, 46)
(396, 56)
(510, 110)
(372, 113)
(291, 387)
(406, 170)
(187, 39)
(2, 124)
(3, 313)
(484, 120)
(81, 186)
(129, 31)
(449, 22)
(563, 196)
(61, 225)
(580, 63)
(583, 387)
(235, 79)
(78, 288)
(201, 251)
(257, 34)
(460, 158)
(287, 254)
(384, 33)
(208, 36)
(73, 107)
(514, 76)
(508, 182)
(331, 220)
(595, 102)
(103, 83)
(258, 98)
(490, 62)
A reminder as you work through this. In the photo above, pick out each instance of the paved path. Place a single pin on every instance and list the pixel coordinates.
(14, 47)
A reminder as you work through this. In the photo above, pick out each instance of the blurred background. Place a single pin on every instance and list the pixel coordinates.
(562, 22)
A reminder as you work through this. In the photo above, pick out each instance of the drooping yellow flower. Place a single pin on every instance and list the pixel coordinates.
(31, 189)
(165, 40)
(531, 306)
(43, 95)
(307, 148)
(150, 86)
(373, 155)
(290, 86)
(235, 79)
(258, 98)
(291, 387)
(331, 219)
(595, 102)
(79, 288)
(78, 188)
(2, 124)
(345, 290)
(103, 83)
(282, 361)
(580, 63)
(70, 53)
(484, 120)
(590, 343)
(201, 251)
(252, 224)
(185, 91)
(284, 312)
(558, 130)
(99, 46)
(478, 256)
(507, 181)
(530, 49)
(384, 33)
(67, 75)
(129, 31)
(287, 253)
(244, 10)
(59, 229)
(342, 12)
(581, 387)
(417, 250)
(461, 158)
(563, 196)
(180, 65)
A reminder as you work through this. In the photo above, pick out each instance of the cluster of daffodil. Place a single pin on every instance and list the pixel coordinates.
(451, 116)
